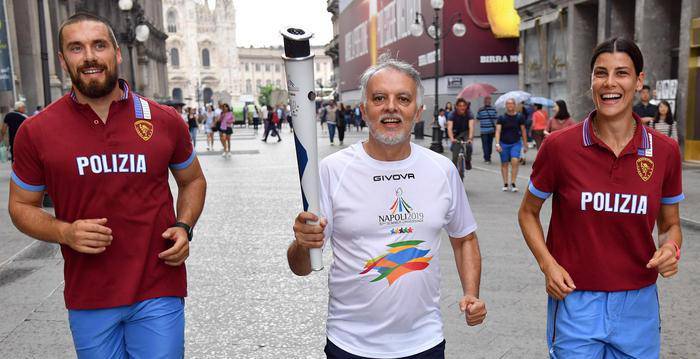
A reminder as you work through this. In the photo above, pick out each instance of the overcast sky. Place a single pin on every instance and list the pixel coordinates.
(258, 22)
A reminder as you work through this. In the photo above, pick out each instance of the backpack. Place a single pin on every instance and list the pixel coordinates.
(275, 118)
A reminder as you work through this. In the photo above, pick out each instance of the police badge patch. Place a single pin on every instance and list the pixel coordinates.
(645, 168)
(144, 129)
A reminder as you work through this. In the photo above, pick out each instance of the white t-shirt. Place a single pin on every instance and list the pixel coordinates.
(441, 121)
(384, 222)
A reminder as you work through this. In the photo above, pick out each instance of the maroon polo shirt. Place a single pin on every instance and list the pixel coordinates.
(604, 207)
(117, 170)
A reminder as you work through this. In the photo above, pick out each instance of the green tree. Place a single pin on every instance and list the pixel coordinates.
(265, 94)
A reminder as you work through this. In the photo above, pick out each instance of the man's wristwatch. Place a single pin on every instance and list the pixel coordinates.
(186, 227)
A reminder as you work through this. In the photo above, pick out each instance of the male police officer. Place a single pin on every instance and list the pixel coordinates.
(103, 152)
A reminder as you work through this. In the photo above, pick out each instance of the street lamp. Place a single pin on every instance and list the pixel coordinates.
(433, 31)
(133, 34)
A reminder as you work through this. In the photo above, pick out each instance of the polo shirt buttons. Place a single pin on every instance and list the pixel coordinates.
(96, 122)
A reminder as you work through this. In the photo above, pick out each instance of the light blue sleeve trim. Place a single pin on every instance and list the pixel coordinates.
(538, 193)
(26, 186)
(183, 165)
(672, 200)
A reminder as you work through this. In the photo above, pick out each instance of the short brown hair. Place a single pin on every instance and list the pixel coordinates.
(86, 16)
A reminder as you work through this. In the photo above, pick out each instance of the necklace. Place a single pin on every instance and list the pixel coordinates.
(595, 127)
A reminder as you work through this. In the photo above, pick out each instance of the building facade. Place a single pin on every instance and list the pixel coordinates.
(332, 49)
(265, 66)
(367, 29)
(203, 62)
(557, 38)
(30, 69)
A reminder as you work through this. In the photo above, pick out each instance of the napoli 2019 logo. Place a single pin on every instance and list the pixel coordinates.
(401, 258)
(400, 212)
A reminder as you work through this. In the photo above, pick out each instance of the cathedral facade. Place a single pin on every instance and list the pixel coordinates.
(203, 64)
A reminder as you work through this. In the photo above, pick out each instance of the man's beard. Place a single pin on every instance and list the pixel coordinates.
(94, 89)
(383, 138)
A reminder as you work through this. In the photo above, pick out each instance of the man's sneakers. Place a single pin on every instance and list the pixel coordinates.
(513, 188)
(505, 187)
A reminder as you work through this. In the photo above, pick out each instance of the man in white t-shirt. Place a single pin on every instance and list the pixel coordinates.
(384, 203)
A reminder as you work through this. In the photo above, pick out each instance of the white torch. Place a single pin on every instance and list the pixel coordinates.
(299, 65)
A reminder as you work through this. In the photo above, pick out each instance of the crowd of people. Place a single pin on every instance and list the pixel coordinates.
(525, 125)
(339, 117)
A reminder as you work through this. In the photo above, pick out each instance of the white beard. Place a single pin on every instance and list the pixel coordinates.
(393, 139)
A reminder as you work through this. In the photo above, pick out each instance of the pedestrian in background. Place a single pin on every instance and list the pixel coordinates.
(460, 127)
(442, 122)
(644, 108)
(270, 125)
(448, 109)
(226, 129)
(11, 123)
(208, 124)
(331, 113)
(280, 117)
(663, 121)
(539, 124)
(193, 125)
(288, 113)
(36, 112)
(487, 117)
(358, 118)
(106, 164)
(256, 119)
(510, 129)
(526, 110)
(561, 118)
(323, 115)
(341, 123)
(613, 181)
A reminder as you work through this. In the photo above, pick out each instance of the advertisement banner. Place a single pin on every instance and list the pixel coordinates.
(368, 28)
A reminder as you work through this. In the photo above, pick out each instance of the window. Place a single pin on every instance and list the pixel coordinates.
(318, 67)
(277, 67)
(258, 84)
(172, 20)
(177, 94)
(257, 67)
(278, 83)
(174, 57)
(247, 66)
(205, 58)
(267, 67)
(268, 82)
(248, 86)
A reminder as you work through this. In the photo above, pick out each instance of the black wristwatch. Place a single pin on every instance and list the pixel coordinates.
(187, 228)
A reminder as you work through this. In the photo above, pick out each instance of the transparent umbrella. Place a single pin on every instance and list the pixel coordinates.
(518, 96)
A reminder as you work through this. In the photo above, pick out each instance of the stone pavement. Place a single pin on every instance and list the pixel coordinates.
(244, 302)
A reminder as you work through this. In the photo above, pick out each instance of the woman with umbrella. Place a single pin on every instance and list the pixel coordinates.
(612, 181)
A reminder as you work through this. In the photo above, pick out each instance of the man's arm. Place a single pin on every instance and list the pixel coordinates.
(89, 236)
(670, 238)
(468, 260)
(471, 130)
(523, 132)
(497, 137)
(191, 190)
(559, 283)
(450, 132)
